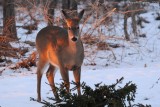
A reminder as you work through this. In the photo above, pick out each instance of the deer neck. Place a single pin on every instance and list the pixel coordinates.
(73, 46)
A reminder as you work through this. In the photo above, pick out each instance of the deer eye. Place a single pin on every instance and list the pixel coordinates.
(69, 28)
(77, 27)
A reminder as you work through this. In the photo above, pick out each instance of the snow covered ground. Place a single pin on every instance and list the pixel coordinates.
(139, 63)
(16, 89)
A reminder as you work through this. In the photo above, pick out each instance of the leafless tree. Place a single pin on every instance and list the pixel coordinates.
(51, 8)
(9, 23)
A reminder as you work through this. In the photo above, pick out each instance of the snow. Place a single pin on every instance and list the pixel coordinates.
(139, 63)
(17, 89)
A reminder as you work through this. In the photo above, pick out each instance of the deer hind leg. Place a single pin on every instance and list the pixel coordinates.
(40, 69)
(77, 76)
(50, 76)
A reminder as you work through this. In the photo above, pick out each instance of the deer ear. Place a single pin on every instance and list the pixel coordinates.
(80, 15)
(65, 14)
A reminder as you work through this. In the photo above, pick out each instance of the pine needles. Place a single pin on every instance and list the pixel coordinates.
(99, 96)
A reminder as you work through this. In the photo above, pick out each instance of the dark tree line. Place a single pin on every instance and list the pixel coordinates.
(9, 22)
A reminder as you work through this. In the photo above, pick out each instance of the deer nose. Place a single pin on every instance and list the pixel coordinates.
(74, 39)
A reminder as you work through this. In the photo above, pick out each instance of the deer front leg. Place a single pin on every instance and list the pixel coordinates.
(77, 76)
(65, 77)
(50, 76)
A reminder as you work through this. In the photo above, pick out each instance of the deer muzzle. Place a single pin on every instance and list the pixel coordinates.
(74, 39)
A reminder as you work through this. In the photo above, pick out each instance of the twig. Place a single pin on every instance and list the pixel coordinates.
(130, 11)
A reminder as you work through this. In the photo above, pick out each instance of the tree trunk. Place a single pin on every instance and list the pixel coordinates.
(126, 27)
(69, 4)
(65, 4)
(133, 17)
(73, 5)
(9, 23)
(51, 8)
(134, 24)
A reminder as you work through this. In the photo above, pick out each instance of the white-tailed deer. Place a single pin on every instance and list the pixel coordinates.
(60, 48)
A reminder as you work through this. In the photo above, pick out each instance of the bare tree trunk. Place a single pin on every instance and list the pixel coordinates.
(52, 6)
(9, 30)
(133, 17)
(65, 4)
(69, 4)
(9, 23)
(126, 28)
(73, 5)
(134, 24)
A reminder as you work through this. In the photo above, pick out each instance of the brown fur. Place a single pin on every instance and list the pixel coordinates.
(56, 48)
